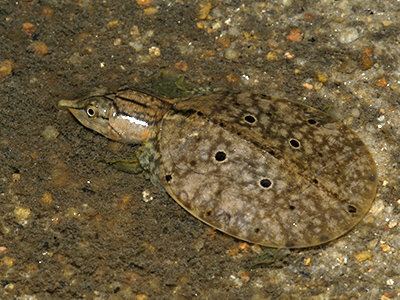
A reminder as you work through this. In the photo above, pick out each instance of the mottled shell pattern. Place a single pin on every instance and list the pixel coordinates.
(268, 171)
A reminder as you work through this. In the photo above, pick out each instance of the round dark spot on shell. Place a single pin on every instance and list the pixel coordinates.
(312, 121)
(294, 143)
(292, 207)
(265, 183)
(220, 156)
(168, 177)
(250, 119)
(315, 181)
(257, 230)
(351, 209)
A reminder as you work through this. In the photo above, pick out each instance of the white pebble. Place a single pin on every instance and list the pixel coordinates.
(390, 281)
(381, 118)
(392, 224)
(146, 196)
(348, 35)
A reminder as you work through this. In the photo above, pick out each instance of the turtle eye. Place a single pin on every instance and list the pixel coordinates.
(91, 111)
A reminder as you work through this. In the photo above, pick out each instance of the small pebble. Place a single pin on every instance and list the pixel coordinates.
(28, 28)
(244, 246)
(113, 24)
(381, 118)
(287, 2)
(355, 112)
(134, 31)
(181, 66)
(385, 247)
(244, 276)
(208, 53)
(232, 78)
(289, 55)
(141, 297)
(50, 133)
(8, 261)
(22, 215)
(363, 255)
(47, 199)
(47, 11)
(204, 10)
(117, 42)
(322, 77)
(9, 287)
(390, 281)
(231, 54)
(392, 224)
(6, 68)
(272, 56)
(307, 261)
(155, 51)
(144, 2)
(295, 35)
(72, 212)
(15, 177)
(382, 82)
(39, 48)
(348, 35)
(308, 86)
(236, 281)
(146, 196)
(149, 11)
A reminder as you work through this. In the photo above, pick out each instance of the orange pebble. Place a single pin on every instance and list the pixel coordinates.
(295, 35)
(29, 28)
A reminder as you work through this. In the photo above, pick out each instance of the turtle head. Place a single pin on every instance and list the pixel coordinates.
(115, 118)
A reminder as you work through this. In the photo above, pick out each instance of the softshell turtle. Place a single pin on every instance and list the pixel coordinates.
(268, 171)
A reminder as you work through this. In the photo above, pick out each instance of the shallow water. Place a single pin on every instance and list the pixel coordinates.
(72, 227)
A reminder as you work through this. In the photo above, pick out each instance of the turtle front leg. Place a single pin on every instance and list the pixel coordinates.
(131, 166)
(143, 156)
